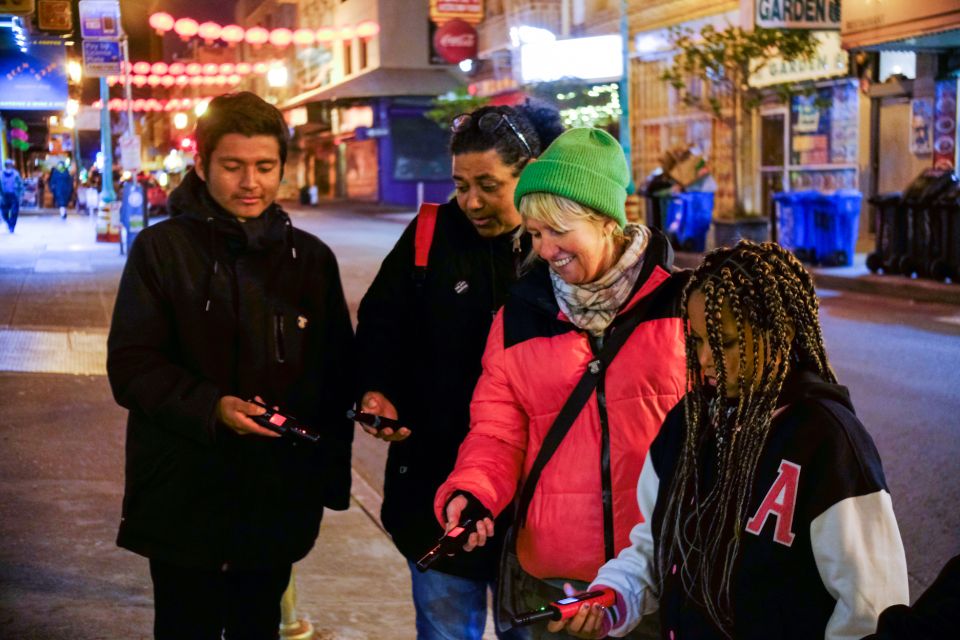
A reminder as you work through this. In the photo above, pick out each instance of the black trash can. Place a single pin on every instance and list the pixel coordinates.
(891, 233)
(945, 217)
(657, 205)
(922, 238)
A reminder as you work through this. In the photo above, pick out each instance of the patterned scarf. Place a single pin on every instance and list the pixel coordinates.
(593, 306)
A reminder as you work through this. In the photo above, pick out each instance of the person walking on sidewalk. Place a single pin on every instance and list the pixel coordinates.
(11, 190)
(420, 336)
(61, 186)
(225, 302)
(596, 282)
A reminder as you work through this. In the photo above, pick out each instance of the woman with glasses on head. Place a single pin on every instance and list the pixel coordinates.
(594, 281)
(421, 333)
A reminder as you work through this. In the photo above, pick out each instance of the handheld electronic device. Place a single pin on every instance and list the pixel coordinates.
(452, 542)
(285, 425)
(566, 607)
(373, 420)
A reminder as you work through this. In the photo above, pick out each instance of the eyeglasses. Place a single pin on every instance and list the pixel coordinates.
(489, 123)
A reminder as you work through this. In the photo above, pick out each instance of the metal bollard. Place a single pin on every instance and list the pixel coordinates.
(291, 627)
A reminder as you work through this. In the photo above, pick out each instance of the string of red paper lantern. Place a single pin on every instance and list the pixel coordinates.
(168, 81)
(281, 37)
(151, 104)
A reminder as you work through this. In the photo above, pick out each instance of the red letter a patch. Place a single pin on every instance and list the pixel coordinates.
(780, 501)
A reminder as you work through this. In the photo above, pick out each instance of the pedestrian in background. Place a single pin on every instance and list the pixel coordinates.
(61, 186)
(223, 303)
(420, 336)
(595, 281)
(771, 515)
(11, 190)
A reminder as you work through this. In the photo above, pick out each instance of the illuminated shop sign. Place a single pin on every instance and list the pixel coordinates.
(798, 14)
(596, 58)
(829, 60)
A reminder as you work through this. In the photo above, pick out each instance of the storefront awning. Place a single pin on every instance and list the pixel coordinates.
(382, 82)
(929, 25)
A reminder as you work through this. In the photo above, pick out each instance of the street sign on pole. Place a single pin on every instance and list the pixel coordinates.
(130, 152)
(100, 19)
(102, 58)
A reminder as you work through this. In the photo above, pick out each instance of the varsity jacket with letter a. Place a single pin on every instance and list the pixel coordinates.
(820, 555)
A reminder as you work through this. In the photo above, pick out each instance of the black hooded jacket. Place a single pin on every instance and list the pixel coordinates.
(421, 343)
(209, 307)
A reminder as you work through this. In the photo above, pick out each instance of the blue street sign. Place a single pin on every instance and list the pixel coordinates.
(100, 19)
(101, 58)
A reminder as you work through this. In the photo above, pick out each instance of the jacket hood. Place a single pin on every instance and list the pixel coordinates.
(802, 384)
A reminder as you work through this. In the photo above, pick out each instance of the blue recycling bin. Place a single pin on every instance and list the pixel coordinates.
(688, 219)
(836, 219)
(795, 230)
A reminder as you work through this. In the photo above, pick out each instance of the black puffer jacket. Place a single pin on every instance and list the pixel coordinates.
(208, 307)
(421, 346)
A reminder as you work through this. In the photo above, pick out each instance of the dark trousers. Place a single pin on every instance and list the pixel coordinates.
(203, 604)
(10, 208)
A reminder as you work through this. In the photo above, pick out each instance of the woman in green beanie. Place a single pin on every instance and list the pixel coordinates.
(590, 275)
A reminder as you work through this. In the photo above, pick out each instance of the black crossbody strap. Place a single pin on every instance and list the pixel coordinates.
(574, 405)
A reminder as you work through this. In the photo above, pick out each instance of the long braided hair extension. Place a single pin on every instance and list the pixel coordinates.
(765, 287)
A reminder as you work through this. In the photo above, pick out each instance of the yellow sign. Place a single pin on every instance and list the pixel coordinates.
(16, 7)
(446, 10)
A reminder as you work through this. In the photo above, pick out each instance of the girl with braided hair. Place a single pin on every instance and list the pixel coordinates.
(771, 514)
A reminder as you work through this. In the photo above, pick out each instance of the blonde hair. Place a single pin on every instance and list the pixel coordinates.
(557, 213)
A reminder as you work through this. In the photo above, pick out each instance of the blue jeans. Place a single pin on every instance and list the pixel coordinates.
(452, 608)
(10, 207)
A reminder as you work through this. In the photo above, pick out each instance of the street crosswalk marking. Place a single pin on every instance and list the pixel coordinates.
(70, 352)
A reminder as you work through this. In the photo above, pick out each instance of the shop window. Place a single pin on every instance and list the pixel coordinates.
(347, 57)
(420, 149)
(894, 63)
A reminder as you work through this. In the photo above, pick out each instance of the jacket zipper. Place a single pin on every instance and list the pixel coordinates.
(280, 352)
(606, 480)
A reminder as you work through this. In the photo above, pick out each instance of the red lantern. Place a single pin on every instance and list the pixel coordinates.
(209, 31)
(183, 81)
(256, 36)
(138, 104)
(210, 69)
(161, 22)
(260, 67)
(168, 81)
(281, 37)
(367, 29)
(304, 37)
(196, 81)
(169, 105)
(221, 80)
(227, 68)
(141, 68)
(112, 80)
(346, 33)
(153, 105)
(153, 81)
(194, 69)
(176, 69)
(326, 34)
(140, 80)
(159, 68)
(232, 34)
(243, 68)
(209, 80)
(234, 79)
(186, 28)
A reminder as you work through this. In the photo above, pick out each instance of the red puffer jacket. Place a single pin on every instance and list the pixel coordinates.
(533, 360)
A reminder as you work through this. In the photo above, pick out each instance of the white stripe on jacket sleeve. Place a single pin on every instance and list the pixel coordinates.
(859, 554)
(631, 572)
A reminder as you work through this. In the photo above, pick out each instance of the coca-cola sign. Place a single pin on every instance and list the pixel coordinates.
(455, 41)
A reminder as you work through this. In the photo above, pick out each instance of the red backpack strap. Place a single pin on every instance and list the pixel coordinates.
(426, 222)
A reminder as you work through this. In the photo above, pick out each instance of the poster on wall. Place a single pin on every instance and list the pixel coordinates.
(844, 115)
(810, 128)
(945, 125)
(921, 124)
(37, 79)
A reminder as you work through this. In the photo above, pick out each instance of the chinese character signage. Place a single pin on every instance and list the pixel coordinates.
(798, 14)
(35, 80)
(54, 15)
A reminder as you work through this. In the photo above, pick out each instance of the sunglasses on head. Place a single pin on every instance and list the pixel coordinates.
(489, 123)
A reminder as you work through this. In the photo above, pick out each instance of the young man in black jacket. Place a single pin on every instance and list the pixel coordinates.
(421, 334)
(224, 303)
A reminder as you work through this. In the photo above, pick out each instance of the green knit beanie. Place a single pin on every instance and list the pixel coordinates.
(584, 165)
